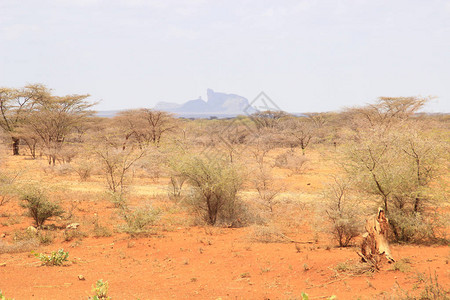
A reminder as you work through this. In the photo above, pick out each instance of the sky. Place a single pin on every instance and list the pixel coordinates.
(306, 55)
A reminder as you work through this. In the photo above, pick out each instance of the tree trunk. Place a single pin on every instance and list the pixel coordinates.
(417, 204)
(15, 146)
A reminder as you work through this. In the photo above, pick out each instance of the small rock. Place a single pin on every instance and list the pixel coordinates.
(2, 264)
(81, 277)
(32, 229)
(3, 235)
(72, 226)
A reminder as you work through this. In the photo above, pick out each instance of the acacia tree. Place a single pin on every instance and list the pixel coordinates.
(145, 125)
(390, 156)
(385, 113)
(15, 107)
(54, 118)
(268, 119)
(299, 131)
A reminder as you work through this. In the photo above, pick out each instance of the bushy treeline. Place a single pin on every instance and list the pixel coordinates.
(386, 152)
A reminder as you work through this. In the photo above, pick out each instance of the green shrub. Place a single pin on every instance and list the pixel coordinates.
(54, 259)
(39, 207)
(214, 186)
(118, 199)
(416, 227)
(3, 297)
(139, 220)
(101, 290)
(267, 234)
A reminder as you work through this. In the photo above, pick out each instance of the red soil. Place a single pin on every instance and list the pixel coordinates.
(183, 262)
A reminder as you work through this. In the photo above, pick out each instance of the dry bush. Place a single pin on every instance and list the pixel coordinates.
(291, 213)
(139, 220)
(72, 234)
(19, 246)
(259, 146)
(12, 219)
(83, 168)
(291, 161)
(240, 214)
(343, 212)
(101, 231)
(117, 162)
(264, 184)
(3, 146)
(44, 237)
(267, 234)
(63, 169)
(66, 156)
(8, 187)
(175, 187)
(153, 165)
(354, 267)
(424, 289)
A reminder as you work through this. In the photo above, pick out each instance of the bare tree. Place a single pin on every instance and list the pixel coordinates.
(260, 146)
(342, 211)
(264, 184)
(116, 161)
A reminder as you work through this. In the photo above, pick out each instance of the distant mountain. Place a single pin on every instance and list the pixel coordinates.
(107, 113)
(217, 104)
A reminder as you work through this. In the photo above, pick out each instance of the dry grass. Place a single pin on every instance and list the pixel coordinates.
(353, 267)
(19, 246)
(267, 234)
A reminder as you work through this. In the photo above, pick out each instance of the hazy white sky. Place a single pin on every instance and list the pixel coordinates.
(307, 55)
